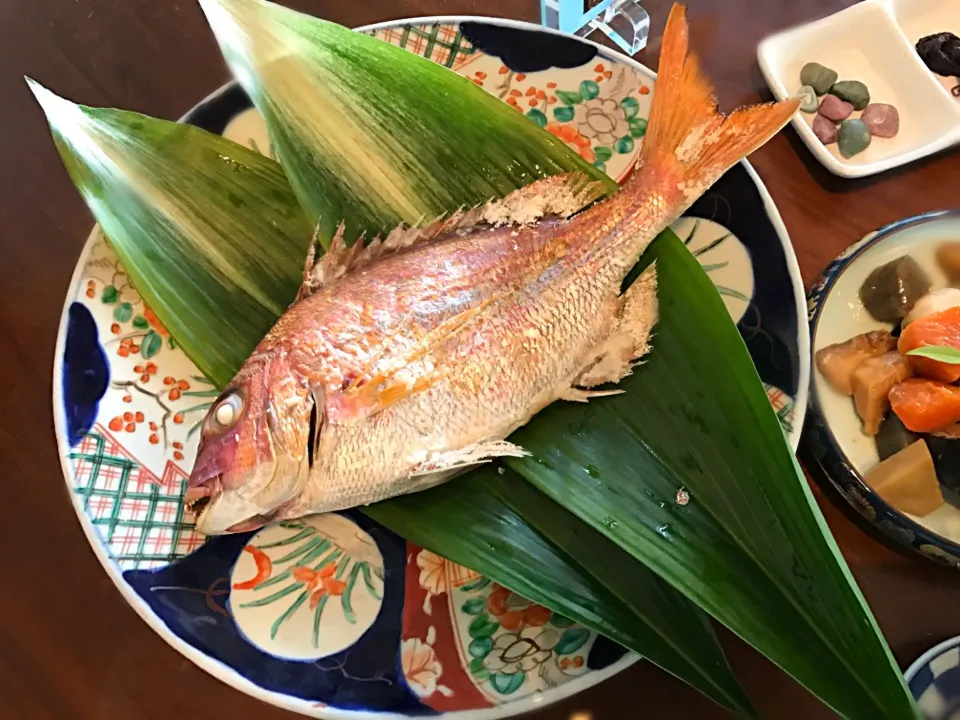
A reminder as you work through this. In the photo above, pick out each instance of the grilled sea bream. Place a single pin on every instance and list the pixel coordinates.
(404, 361)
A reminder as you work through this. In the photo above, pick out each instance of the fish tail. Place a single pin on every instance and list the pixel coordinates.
(688, 141)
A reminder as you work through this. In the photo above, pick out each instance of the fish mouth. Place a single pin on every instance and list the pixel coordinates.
(254, 522)
(198, 498)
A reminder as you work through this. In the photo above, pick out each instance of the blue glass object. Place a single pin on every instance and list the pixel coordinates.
(623, 21)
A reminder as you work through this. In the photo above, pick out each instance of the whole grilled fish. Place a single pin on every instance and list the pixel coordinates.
(407, 360)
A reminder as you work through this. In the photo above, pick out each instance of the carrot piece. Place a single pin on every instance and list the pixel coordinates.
(941, 328)
(925, 406)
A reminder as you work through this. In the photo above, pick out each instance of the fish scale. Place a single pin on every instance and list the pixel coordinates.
(408, 360)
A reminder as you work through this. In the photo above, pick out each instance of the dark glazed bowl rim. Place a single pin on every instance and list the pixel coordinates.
(819, 437)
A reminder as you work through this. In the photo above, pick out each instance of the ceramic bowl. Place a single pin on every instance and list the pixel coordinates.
(873, 41)
(934, 681)
(834, 436)
(410, 633)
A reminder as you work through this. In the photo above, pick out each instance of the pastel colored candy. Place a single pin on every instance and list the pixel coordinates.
(882, 119)
(825, 130)
(833, 108)
(818, 76)
(853, 137)
(808, 99)
(853, 91)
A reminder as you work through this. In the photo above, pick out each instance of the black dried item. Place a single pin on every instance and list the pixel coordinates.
(941, 53)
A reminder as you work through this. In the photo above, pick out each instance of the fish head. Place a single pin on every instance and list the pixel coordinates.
(253, 453)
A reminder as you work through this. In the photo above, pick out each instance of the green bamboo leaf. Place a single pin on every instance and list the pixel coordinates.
(940, 353)
(160, 191)
(748, 544)
(154, 183)
(367, 131)
(580, 574)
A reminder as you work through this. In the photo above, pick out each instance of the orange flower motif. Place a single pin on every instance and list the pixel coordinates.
(569, 134)
(439, 575)
(320, 583)
(154, 321)
(515, 612)
(420, 667)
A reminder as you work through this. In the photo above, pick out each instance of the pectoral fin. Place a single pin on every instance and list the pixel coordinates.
(469, 455)
(630, 339)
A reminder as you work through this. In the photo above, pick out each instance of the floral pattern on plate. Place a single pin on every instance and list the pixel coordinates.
(335, 612)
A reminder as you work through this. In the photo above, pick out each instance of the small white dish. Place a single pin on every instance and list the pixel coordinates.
(873, 42)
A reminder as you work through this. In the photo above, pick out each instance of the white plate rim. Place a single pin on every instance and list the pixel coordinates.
(233, 678)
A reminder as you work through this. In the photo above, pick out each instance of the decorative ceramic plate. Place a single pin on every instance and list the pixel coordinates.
(934, 681)
(836, 441)
(334, 616)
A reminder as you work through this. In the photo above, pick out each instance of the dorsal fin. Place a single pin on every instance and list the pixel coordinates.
(561, 195)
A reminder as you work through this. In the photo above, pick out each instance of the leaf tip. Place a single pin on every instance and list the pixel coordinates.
(51, 103)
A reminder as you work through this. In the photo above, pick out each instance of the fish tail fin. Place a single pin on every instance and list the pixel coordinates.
(687, 138)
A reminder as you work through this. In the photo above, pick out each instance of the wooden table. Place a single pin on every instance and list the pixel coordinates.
(70, 647)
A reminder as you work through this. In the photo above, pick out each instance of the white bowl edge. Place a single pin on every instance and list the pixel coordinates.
(766, 50)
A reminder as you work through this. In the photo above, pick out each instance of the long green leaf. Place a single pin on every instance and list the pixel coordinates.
(750, 554)
(513, 528)
(691, 475)
(371, 133)
(684, 645)
(200, 211)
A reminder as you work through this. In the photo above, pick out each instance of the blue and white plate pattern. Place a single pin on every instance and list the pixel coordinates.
(334, 616)
(934, 681)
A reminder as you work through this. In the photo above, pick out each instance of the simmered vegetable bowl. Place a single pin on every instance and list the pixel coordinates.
(887, 344)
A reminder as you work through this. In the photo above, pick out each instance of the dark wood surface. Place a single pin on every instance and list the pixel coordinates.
(70, 647)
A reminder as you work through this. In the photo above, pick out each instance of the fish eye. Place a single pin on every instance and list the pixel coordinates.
(228, 411)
